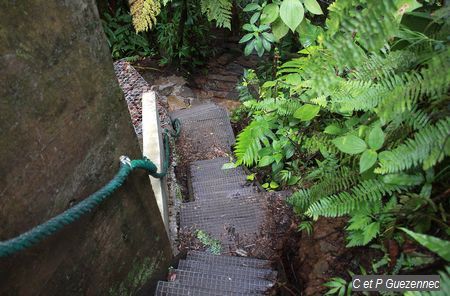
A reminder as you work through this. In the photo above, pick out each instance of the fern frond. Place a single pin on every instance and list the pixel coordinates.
(315, 143)
(144, 13)
(251, 140)
(377, 16)
(416, 118)
(362, 195)
(332, 182)
(218, 10)
(427, 148)
(300, 200)
(377, 66)
(281, 106)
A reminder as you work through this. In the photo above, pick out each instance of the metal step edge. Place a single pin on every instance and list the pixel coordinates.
(231, 271)
(208, 179)
(178, 289)
(221, 282)
(231, 260)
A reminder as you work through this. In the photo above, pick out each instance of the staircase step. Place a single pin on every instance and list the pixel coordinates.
(215, 173)
(207, 181)
(178, 289)
(212, 188)
(195, 110)
(244, 273)
(228, 260)
(220, 282)
(226, 210)
(244, 192)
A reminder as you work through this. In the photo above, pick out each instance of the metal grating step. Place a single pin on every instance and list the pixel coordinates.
(235, 223)
(215, 173)
(206, 188)
(244, 192)
(227, 179)
(220, 282)
(225, 210)
(196, 110)
(228, 260)
(178, 289)
(219, 161)
(245, 273)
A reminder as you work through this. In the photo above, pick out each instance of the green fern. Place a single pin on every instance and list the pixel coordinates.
(218, 10)
(332, 182)
(144, 13)
(379, 66)
(429, 146)
(363, 23)
(444, 286)
(366, 194)
(251, 140)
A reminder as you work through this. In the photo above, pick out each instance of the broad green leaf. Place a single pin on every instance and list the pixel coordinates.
(333, 130)
(292, 12)
(259, 46)
(313, 7)
(269, 14)
(308, 33)
(274, 185)
(265, 151)
(269, 84)
(404, 6)
(254, 17)
(437, 245)
(376, 138)
(248, 27)
(403, 179)
(246, 38)
(279, 29)
(350, 144)
(293, 180)
(251, 177)
(266, 44)
(265, 161)
(306, 112)
(367, 160)
(268, 36)
(249, 47)
(251, 7)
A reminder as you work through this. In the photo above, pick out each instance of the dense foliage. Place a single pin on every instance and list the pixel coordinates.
(123, 41)
(359, 125)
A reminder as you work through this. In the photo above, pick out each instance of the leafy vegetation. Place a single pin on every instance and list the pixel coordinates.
(122, 40)
(358, 124)
(213, 245)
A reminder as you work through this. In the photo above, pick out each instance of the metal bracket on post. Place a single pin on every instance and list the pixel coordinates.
(153, 148)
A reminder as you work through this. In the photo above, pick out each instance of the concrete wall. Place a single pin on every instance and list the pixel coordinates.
(63, 126)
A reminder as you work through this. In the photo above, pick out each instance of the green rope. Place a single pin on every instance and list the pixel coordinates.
(38, 233)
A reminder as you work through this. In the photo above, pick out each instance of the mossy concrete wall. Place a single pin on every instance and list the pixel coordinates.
(63, 126)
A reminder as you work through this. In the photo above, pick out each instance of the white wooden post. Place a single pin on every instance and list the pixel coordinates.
(153, 149)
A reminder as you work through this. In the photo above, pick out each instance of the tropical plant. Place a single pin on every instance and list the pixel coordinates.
(144, 13)
(280, 17)
(123, 41)
(364, 112)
